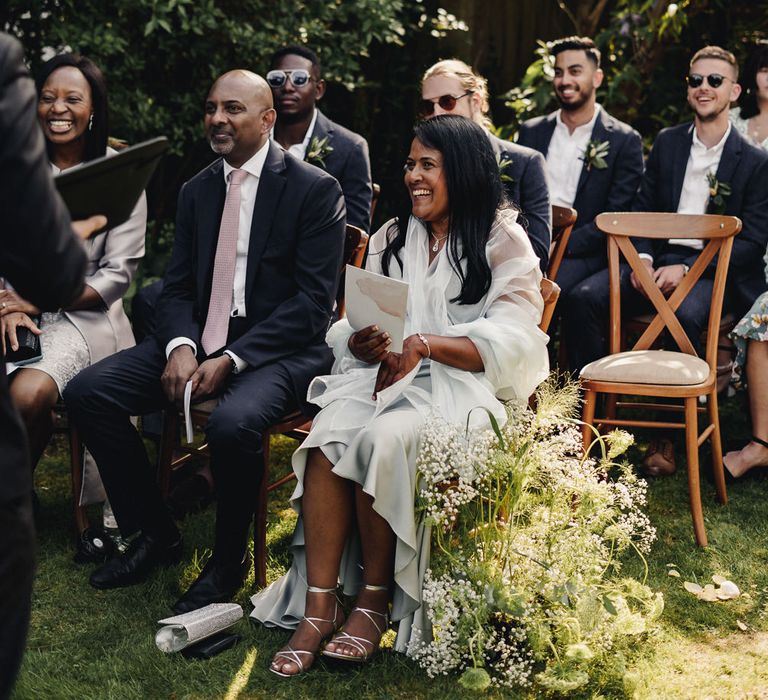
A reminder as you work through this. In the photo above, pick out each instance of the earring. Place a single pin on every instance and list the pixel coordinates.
(90, 123)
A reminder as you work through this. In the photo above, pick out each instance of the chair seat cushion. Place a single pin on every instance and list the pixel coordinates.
(648, 367)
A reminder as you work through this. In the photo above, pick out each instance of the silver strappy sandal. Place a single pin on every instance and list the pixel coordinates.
(365, 646)
(294, 656)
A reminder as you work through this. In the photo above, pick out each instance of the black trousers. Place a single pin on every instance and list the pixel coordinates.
(17, 566)
(586, 308)
(101, 400)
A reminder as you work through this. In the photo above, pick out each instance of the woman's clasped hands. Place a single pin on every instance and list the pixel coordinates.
(370, 345)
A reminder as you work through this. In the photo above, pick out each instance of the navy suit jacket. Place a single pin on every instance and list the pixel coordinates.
(611, 189)
(528, 190)
(350, 164)
(294, 257)
(743, 166)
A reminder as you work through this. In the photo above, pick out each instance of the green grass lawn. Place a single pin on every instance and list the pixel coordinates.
(87, 644)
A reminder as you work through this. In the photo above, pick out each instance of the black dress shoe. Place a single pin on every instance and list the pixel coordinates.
(144, 555)
(217, 583)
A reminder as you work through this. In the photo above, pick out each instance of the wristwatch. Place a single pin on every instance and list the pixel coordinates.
(234, 367)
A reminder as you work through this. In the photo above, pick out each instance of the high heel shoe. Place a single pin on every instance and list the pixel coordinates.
(294, 656)
(366, 647)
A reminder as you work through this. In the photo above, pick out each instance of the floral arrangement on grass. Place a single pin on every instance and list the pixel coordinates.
(524, 588)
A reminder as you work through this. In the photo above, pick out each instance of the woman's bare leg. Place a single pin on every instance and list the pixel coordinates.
(327, 510)
(378, 550)
(35, 394)
(754, 454)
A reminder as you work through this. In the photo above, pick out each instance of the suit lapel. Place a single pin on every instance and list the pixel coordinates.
(600, 132)
(209, 220)
(729, 158)
(271, 184)
(680, 164)
(547, 129)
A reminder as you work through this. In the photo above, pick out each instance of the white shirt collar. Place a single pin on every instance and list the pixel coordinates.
(307, 136)
(718, 146)
(253, 166)
(589, 125)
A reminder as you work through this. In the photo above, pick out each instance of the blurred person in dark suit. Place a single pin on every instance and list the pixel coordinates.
(44, 261)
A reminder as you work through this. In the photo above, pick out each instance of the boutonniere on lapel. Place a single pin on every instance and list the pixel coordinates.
(318, 151)
(718, 193)
(503, 163)
(595, 154)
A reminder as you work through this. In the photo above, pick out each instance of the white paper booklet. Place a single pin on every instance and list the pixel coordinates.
(180, 631)
(187, 411)
(374, 299)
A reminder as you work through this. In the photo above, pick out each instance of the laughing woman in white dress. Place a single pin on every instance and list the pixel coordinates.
(72, 110)
(471, 339)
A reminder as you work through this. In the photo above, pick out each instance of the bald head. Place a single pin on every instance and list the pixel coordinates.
(238, 115)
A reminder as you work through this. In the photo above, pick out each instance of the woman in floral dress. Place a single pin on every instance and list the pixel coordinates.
(751, 333)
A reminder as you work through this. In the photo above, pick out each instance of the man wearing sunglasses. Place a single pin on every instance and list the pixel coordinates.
(685, 164)
(305, 132)
(578, 177)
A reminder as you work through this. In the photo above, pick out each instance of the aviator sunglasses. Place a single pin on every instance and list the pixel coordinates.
(446, 102)
(298, 77)
(715, 80)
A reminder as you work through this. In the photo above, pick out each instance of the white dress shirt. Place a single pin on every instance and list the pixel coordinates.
(565, 159)
(694, 195)
(248, 190)
(299, 150)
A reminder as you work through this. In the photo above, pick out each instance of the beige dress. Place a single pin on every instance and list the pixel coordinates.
(375, 443)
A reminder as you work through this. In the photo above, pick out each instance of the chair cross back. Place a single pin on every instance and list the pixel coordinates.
(718, 231)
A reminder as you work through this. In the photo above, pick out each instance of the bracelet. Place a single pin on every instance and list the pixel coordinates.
(424, 340)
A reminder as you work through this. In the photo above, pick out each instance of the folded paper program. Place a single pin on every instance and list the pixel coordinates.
(184, 630)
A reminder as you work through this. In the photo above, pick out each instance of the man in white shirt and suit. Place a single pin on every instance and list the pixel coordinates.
(248, 296)
(593, 161)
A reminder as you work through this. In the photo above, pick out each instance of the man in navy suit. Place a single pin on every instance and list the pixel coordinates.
(269, 257)
(452, 87)
(305, 132)
(594, 161)
(683, 164)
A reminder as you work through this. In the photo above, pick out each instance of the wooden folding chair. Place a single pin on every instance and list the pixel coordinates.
(563, 219)
(375, 194)
(663, 373)
(296, 424)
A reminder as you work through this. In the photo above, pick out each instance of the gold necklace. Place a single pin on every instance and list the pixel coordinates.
(438, 241)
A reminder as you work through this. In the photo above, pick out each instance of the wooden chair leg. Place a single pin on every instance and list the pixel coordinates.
(588, 418)
(260, 521)
(167, 445)
(717, 448)
(692, 455)
(76, 469)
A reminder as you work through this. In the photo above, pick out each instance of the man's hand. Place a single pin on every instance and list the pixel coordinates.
(369, 345)
(394, 366)
(8, 325)
(636, 282)
(668, 278)
(181, 365)
(11, 303)
(85, 228)
(210, 377)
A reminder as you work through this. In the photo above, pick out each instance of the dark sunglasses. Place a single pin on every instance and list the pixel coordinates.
(715, 80)
(277, 78)
(446, 102)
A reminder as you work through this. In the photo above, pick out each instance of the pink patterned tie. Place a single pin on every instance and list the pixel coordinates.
(220, 306)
